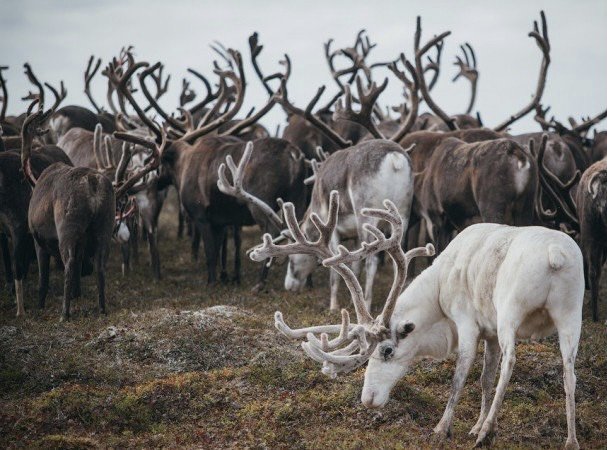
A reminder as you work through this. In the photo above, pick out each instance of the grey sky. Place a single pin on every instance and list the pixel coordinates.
(57, 37)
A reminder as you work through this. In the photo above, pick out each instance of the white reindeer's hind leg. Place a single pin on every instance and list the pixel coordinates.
(468, 342)
(491, 359)
(506, 335)
(569, 338)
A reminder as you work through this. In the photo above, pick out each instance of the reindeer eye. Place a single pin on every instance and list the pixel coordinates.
(405, 330)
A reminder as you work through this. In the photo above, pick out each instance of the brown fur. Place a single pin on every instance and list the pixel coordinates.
(71, 215)
(591, 200)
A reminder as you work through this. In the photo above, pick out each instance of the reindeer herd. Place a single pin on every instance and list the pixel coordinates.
(518, 222)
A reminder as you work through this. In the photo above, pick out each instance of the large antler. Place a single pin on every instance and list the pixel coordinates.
(4, 94)
(355, 343)
(121, 83)
(419, 53)
(357, 55)
(162, 86)
(152, 164)
(283, 99)
(89, 73)
(467, 69)
(256, 49)
(155, 72)
(543, 43)
(434, 64)
(32, 79)
(32, 127)
(412, 87)
(236, 189)
(557, 191)
(225, 93)
(367, 100)
(59, 95)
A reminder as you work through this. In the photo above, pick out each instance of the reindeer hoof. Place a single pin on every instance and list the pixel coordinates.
(475, 429)
(572, 445)
(440, 435)
(485, 439)
(259, 287)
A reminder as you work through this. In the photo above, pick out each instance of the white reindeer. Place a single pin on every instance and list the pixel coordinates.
(493, 282)
(365, 175)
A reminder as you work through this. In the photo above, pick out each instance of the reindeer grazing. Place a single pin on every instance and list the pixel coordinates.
(461, 298)
(71, 215)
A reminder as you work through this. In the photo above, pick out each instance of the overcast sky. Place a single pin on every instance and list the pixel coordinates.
(57, 37)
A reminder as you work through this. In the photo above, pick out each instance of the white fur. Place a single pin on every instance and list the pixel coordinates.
(123, 234)
(494, 283)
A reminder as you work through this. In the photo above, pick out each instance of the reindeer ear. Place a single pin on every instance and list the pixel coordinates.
(404, 329)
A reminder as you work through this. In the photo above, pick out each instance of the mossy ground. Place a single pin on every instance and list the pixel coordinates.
(168, 368)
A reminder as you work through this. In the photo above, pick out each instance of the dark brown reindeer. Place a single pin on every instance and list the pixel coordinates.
(591, 200)
(585, 151)
(72, 214)
(192, 159)
(15, 194)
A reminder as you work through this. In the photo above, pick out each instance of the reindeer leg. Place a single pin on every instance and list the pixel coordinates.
(126, 256)
(595, 262)
(223, 276)
(70, 261)
(21, 261)
(134, 241)
(468, 342)
(491, 359)
(506, 336)
(6, 257)
(569, 337)
(153, 248)
(100, 262)
(44, 259)
(237, 256)
(195, 243)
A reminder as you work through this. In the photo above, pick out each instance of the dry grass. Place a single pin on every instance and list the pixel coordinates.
(167, 367)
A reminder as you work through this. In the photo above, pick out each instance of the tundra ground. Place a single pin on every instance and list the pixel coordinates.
(176, 363)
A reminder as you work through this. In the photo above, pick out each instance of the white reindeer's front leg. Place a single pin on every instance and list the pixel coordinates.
(491, 359)
(468, 342)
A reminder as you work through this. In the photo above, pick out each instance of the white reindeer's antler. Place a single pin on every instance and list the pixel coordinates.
(354, 343)
(236, 189)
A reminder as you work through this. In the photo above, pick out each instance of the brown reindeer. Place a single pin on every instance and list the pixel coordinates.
(71, 215)
(591, 200)
(15, 194)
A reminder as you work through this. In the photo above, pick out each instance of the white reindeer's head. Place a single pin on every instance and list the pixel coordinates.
(388, 364)
(369, 337)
